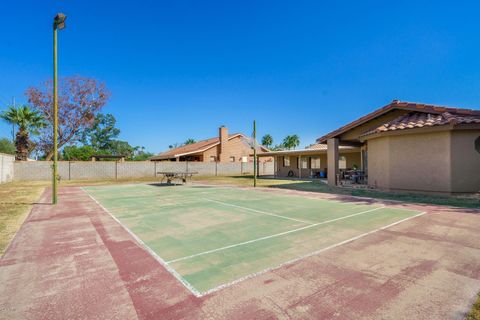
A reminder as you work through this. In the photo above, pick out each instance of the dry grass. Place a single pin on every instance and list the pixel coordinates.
(475, 312)
(16, 202)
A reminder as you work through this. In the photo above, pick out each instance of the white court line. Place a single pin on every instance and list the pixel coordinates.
(252, 275)
(258, 211)
(142, 244)
(270, 236)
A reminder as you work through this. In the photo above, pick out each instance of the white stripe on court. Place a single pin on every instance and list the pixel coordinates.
(253, 275)
(258, 211)
(142, 244)
(271, 236)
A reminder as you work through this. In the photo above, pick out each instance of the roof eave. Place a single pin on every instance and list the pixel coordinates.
(396, 105)
(389, 107)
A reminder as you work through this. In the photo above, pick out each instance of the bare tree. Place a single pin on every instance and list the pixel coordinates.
(79, 100)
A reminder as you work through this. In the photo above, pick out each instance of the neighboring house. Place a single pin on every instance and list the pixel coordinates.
(224, 148)
(401, 146)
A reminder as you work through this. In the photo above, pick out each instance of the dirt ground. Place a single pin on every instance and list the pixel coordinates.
(73, 261)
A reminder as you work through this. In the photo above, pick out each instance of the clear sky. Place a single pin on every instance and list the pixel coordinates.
(179, 69)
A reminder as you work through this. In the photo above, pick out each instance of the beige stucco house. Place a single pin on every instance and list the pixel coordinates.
(401, 146)
(224, 148)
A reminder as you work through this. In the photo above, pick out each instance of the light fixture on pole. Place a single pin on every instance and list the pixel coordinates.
(58, 24)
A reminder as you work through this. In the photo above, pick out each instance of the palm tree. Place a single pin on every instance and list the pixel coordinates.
(267, 140)
(28, 122)
(291, 142)
(190, 141)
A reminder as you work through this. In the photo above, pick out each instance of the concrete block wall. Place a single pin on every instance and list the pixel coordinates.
(86, 170)
(6, 167)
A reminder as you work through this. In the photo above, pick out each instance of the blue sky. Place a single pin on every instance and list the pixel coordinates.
(179, 69)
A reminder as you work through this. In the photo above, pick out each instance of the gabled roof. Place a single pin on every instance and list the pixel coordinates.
(421, 120)
(191, 148)
(199, 147)
(398, 105)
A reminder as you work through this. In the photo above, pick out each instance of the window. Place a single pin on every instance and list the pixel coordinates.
(342, 162)
(232, 159)
(286, 161)
(477, 144)
(304, 163)
(315, 162)
(213, 159)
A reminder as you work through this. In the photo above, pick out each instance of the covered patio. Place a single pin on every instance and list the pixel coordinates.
(331, 161)
(403, 146)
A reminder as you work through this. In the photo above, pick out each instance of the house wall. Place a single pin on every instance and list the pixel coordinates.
(235, 147)
(353, 159)
(378, 163)
(465, 161)
(211, 152)
(415, 162)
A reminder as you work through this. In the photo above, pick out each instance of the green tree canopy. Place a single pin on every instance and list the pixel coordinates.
(141, 155)
(102, 140)
(267, 140)
(7, 146)
(123, 148)
(189, 141)
(291, 141)
(102, 132)
(72, 153)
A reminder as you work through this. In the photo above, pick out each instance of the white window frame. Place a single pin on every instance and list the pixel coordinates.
(286, 161)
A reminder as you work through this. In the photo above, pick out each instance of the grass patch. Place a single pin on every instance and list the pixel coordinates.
(472, 201)
(474, 314)
(17, 201)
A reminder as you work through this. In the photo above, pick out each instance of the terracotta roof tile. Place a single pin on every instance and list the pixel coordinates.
(420, 120)
(402, 105)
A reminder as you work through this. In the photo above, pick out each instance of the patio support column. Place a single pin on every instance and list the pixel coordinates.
(300, 166)
(332, 161)
(275, 166)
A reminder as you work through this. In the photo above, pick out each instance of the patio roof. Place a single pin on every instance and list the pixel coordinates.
(312, 150)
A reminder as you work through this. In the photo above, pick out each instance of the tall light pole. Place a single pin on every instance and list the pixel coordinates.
(254, 154)
(58, 24)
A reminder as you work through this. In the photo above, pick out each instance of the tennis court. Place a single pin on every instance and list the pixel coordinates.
(210, 237)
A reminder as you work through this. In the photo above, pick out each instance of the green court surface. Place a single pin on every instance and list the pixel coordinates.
(209, 237)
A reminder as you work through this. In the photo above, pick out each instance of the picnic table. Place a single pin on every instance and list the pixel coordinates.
(175, 175)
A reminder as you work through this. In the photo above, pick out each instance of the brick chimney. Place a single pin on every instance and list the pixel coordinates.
(223, 136)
